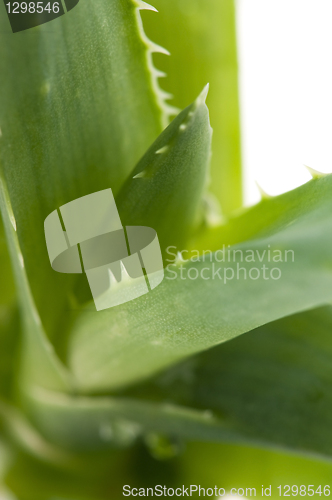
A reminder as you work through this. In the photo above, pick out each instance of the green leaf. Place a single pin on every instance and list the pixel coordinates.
(166, 188)
(20, 431)
(275, 384)
(270, 388)
(99, 423)
(234, 466)
(182, 316)
(224, 465)
(79, 104)
(267, 217)
(205, 52)
(39, 363)
(36, 480)
(9, 322)
(78, 107)
(99, 477)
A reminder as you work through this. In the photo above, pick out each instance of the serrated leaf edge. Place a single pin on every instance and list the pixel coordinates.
(161, 96)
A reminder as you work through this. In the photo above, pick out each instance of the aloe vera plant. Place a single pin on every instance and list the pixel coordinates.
(92, 401)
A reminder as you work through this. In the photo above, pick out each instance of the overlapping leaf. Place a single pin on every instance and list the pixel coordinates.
(77, 110)
(201, 38)
(271, 387)
(38, 360)
(65, 132)
(166, 188)
(198, 306)
(227, 466)
(9, 323)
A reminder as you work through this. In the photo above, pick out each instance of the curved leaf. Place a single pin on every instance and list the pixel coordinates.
(198, 306)
(7, 288)
(78, 108)
(166, 188)
(270, 388)
(205, 52)
(39, 362)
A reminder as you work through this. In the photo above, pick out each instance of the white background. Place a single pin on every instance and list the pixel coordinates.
(285, 57)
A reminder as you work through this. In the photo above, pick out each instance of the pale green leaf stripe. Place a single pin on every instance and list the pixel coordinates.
(17, 426)
(7, 288)
(119, 346)
(77, 110)
(205, 51)
(40, 364)
(8, 317)
(166, 188)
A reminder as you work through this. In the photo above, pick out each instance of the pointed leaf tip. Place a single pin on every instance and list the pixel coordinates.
(176, 165)
(315, 174)
(145, 6)
(203, 311)
(154, 47)
(264, 194)
(201, 99)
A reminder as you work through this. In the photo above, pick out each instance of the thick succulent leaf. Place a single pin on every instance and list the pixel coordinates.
(40, 364)
(98, 477)
(205, 52)
(265, 218)
(78, 108)
(19, 431)
(183, 316)
(275, 384)
(94, 423)
(36, 480)
(271, 387)
(225, 465)
(9, 320)
(209, 463)
(9, 323)
(166, 188)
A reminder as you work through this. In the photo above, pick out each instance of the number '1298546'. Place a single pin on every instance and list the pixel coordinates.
(24, 15)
